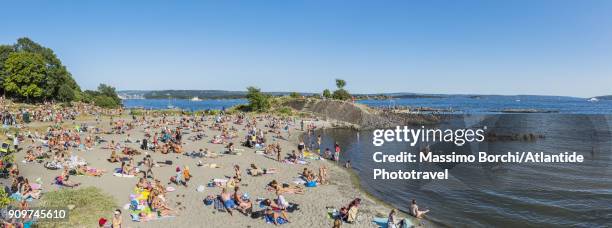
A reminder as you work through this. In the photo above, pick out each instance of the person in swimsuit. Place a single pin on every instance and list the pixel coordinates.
(414, 210)
(227, 200)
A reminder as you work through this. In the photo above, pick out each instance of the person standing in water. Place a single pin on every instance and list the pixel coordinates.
(337, 152)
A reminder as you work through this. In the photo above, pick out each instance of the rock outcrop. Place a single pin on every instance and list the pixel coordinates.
(358, 114)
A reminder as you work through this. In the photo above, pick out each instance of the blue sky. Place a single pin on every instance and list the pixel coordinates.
(553, 47)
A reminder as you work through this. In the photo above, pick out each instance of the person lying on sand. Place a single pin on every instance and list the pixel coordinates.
(88, 171)
(114, 157)
(256, 171)
(159, 205)
(285, 188)
(127, 169)
(276, 210)
(63, 180)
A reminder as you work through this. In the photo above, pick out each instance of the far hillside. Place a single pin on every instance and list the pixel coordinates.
(607, 97)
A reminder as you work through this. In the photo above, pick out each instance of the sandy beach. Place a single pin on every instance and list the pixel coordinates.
(312, 211)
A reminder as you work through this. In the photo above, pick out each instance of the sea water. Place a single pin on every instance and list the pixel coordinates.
(499, 194)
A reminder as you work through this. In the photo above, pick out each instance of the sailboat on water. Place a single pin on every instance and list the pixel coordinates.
(170, 106)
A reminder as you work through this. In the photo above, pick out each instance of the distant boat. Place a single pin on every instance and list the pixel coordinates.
(196, 99)
(518, 100)
(170, 106)
(593, 99)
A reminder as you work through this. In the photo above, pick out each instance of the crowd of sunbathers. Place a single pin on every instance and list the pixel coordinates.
(164, 134)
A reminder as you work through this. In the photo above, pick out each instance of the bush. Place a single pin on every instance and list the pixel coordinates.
(341, 94)
(285, 111)
(105, 97)
(105, 102)
(327, 93)
(5, 200)
(258, 101)
(294, 95)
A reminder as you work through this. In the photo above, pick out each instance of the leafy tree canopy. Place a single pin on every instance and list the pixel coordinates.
(25, 75)
(258, 101)
(33, 72)
(327, 93)
(340, 83)
(341, 94)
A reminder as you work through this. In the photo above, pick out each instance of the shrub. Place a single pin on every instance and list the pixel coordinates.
(284, 111)
(258, 101)
(341, 94)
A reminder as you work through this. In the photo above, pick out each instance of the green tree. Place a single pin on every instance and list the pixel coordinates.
(105, 102)
(327, 93)
(5, 50)
(340, 83)
(258, 101)
(106, 97)
(109, 91)
(65, 93)
(295, 95)
(341, 94)
(56, 76)
(24, 75)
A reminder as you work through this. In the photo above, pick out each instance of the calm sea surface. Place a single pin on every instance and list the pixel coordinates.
(500, 194)
(459, 104)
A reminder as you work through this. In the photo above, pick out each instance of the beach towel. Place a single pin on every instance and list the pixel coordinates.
(380, 222)
(123, 175)
(218, 205)
(155, 218)
(35, 186)
(383, 223)
(299, 181)
(332, 213)
(311, 184)
(279, 220)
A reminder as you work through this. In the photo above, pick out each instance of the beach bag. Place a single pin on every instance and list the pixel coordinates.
(209, 200)
(406, 223)
(279, 220)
